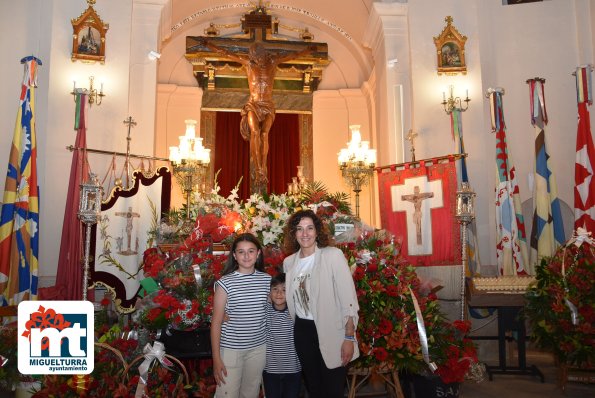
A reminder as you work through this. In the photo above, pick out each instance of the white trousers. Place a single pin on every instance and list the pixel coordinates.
(244, 372)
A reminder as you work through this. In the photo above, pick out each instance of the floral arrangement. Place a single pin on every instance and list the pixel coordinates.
(109, 377)
(9, 374)
(218, 218)
(561, 304)
(388, 332)
(178, 287)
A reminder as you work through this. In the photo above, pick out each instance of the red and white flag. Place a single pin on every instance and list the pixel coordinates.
(584, 181)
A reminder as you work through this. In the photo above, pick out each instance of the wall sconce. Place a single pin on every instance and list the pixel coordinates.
(153, 55)
(95, 96)
(356, 163)
(454, 103)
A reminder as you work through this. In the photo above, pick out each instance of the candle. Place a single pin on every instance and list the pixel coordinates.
(443, 96)
(73, 85)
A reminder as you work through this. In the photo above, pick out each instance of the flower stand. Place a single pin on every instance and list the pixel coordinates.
(359, 377)
(572, 374)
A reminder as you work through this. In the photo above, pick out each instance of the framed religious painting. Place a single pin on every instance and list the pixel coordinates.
(88, 36)
(450, 50)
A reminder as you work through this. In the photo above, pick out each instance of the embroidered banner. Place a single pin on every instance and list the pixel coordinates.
(417, 204)
(122, 234)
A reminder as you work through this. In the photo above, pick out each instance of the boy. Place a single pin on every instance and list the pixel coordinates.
(282, 373)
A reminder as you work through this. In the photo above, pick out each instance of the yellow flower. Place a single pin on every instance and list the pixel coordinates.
(252, 210)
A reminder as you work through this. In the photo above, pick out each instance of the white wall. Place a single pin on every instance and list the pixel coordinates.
(506, 45)
(43, 28)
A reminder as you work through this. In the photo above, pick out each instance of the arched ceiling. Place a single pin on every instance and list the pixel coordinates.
(340, 23)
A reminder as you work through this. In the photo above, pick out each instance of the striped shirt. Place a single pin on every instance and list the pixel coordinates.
(247, 296)
(281, 355)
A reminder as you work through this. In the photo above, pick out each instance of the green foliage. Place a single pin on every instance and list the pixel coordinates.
(563, 282)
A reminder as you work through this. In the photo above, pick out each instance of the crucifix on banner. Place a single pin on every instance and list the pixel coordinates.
(417, 205)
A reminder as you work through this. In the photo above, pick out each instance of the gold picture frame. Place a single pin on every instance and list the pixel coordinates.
(88, 36)
(450, 50)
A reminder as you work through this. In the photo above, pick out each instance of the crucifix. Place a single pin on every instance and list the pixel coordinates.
(260, 57)
(411, 138)
(131, 123)
(416, 198)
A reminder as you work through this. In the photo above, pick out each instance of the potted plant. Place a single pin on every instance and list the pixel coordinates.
(561, 304)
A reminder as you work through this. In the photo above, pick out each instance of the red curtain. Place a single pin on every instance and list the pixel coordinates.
(232, 153)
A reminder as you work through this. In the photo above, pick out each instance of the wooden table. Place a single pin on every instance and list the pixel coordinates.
(509, 306)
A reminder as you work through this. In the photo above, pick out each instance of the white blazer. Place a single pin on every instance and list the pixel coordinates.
(332, 300)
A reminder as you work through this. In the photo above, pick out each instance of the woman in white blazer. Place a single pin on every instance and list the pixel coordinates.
(322, 301)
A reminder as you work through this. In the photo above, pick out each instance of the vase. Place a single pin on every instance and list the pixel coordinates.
(432, 386)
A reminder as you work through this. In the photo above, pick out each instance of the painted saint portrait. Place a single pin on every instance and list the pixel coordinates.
(89, 42)
(450, 55)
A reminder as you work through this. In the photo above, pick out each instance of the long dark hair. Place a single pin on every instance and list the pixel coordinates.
(231, 265)
(290, 243)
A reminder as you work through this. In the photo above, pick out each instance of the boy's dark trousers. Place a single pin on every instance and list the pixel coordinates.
(282, 385)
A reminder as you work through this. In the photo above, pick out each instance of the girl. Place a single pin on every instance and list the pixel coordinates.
(239, 343)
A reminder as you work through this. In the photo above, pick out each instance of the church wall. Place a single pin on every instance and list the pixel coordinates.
(334, 111)
(43, 28)
(506, 45)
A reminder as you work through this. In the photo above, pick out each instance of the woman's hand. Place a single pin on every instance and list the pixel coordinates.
(347, 349)
(219, 371)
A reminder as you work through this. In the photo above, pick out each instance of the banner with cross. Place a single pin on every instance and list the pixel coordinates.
(417, 204)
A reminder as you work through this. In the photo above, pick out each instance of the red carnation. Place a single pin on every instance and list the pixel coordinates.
(380, 353)
(385, 326)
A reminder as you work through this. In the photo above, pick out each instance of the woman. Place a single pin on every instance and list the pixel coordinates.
(322, 300)
(239, 343)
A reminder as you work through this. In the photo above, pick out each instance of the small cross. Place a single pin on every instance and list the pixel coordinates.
(131, 123)
(411, 138)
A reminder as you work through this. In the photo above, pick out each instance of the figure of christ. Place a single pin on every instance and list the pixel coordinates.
(416, 198)
(258, 114)
(129, 215)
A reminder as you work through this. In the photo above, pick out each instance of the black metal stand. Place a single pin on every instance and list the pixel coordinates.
(509, 307)
(508, 319)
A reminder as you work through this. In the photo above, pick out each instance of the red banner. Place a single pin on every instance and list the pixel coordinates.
(417, 204)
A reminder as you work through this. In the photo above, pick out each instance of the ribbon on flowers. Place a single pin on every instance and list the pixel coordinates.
(3, 361)
(581, 236)
(197, 274)
(423, 337)
(151, 353)
(573, 311)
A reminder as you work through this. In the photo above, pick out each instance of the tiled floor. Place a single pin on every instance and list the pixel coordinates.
(527, 386)
(514, 386)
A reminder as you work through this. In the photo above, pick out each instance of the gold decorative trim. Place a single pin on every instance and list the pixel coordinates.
(88, 37)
